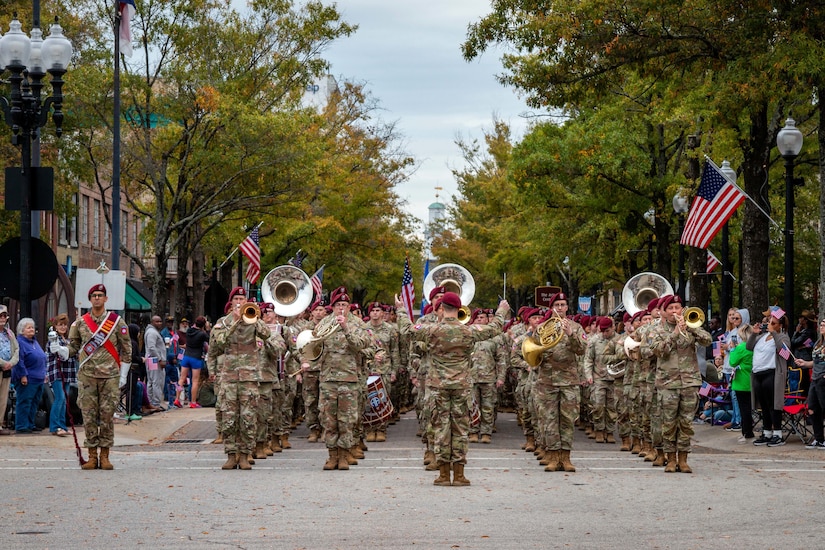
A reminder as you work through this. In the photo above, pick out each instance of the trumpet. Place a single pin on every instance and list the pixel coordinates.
(694, 317)
(464, 315)
(250, 313)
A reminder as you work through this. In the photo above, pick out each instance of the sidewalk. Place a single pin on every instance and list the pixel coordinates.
(714, 439)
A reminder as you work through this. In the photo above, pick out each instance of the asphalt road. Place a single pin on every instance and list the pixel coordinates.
(175, 495)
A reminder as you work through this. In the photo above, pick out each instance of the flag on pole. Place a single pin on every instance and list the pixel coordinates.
(713, 262)
(808, 343)
(407, 288)
(127, 12)
(716, 200)
(785, 352)
(317, 281)
(426, 272)
(251, 248)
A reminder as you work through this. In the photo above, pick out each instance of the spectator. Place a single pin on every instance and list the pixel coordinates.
(155, 349)
(770, 371)
(62, 373)
(736, 318)
(197, 339)
(802, 344)
(28, 377)
(816, 395)
(171, 369)
(9, 354)
(741, 359)
(137, 372)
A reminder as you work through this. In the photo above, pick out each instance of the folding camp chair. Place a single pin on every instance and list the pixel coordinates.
(795, 411)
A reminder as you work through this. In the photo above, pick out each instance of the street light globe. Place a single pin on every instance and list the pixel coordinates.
(35, 64)
(680, 203)
(15, 46)
(788, 141)
(728, 171)
(57, 50)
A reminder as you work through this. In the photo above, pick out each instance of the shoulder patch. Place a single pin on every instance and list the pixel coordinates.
(124, 330)
(417, 327)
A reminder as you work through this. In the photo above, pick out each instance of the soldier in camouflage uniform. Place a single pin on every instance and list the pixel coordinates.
(632, 388)
(450, 345)
(533, 318)
(100, 340)
(420, 358)
(341, 363)
(271, 410)
(603, 349)
(489, 367)
(384, 364)
(240, 344)
(648, 364)
(310, 376)
(677, 380)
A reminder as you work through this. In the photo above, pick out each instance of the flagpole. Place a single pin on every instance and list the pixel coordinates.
(238, 246)
(710, 160)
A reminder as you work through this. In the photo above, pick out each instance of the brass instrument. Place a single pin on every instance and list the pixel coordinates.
(464, 315)
(694, 317)
(549, 334)
(631, 349)
(616, 369)
(250, 313)
(454, 278)
(641, 289)
(312, 345)
(288, 288)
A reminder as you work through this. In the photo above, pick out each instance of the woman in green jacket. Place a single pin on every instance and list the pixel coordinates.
(742, 361)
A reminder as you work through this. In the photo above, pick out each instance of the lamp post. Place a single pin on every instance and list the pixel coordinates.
(680, 207)
(789, 143)
(26, 112)
(726, 299)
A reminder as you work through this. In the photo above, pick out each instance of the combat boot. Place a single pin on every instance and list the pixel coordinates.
(671, 462)
(259, 452)
(609, 438)
(343, 462)
(243, 462)
(625, 444)
(231, 462)
(356, 452)
(546, 457)
(381, 436)
(590, 431)
(599, 436)
(351, 460)
(682, 463)
(443, 479)
(218, 440)
(268, 447)
(565, 461)
(432, 466)
(285, 444)
(314, 434)
(486, 438)
(531, 444)
(429, 456)
(636, 446)
(332, 461)
(250, 457)
(458, 475)
(473, 438)
(104, 459)
(275, 444)
(363, 445)
(648, 451)
(371, 437)
(551, 461)
(91, 464)
(659, 461)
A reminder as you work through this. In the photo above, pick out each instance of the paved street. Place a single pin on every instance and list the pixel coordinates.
(176, 495)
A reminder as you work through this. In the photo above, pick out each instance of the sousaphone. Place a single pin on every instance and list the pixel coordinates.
(641, 289)
(454, 278)
(288, 288)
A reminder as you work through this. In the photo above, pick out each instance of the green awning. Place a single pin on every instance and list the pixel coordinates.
(135, 301)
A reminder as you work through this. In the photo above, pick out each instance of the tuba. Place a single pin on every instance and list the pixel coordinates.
(453, 278)
(288, 288)
(547, 336)
(641, 289)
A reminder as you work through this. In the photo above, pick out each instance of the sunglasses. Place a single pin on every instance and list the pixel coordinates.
(96, 295)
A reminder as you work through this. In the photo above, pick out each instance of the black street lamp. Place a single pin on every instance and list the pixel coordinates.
(681, 207)
(789, 143)
(26, 112)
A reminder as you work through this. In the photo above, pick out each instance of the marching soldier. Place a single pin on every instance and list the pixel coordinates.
(603, 349)
(489, 368)
(420, 364)
(533, 319)
(310, 376)
(385, 363)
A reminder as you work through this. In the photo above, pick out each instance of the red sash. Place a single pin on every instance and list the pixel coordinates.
(101, 337)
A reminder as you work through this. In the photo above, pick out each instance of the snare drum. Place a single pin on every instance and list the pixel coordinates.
(379, 407)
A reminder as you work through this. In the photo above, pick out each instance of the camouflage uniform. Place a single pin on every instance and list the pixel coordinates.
(403, 381)
(98, 377)
(240, 344)
(270, 396)
(489, 360)
(310, 380)
(340, 382)
(600, 352)
(419, 354)
(677, 380)
(448, 380)
(556, 390)
(651, 406)
(522, 392)
(384, 337)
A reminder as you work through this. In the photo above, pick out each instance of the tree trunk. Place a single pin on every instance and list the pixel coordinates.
(821, 140)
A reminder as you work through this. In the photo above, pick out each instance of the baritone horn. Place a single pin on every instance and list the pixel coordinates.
(694, 317)
(288, 288)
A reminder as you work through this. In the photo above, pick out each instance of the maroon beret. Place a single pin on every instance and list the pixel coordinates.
(339, 295)
(625, 317)
(605, 323)
(97, 288)
(585, 321)
(665, 301)
(237, 291)
(556, 297)
(428, 309)
(375, 305)
(267, 307)
(437, 290)
(653, 304)
(451, 299)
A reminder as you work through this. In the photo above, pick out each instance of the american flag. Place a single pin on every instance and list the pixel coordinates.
(407, 288)
(151, 363)
(777, 312)
(317, 281)
(713, 262)
(808, 343)
(717, 349)
(127, 11)
(252, 250)
(715, 202)
(784, 352)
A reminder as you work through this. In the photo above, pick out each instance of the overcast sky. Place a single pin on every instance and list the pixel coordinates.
(407, 52)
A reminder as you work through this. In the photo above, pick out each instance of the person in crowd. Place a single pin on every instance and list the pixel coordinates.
(770, 371)
(802, 344)
(156, 368)
(729, 341)
(170, 368)
(197, 341)
(816, 394)
(741, 359)
(9, 355)
(100, 340)
(28, 377)
(137, 372)
(62, 373)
